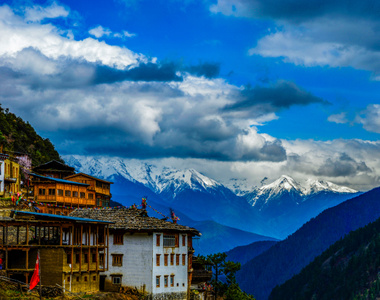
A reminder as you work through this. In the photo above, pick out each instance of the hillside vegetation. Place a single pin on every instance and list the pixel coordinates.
(16, 135)
(349, 269)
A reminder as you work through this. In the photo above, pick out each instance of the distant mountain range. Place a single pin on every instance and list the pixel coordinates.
(276, 209)
(286, 258)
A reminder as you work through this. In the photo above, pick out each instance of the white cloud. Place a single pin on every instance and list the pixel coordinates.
(38, 13)
(370, 118)
(338, 118)
(17, 35)
(128, 34)
(99, 31)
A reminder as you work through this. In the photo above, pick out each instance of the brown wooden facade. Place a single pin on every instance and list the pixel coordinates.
(72, 250)
(58, 196)
(102, 188)
(54, 169)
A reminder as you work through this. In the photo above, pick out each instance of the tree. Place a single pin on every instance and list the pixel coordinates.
(223, 269)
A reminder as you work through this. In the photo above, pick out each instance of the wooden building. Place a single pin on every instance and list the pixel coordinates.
(101, 188)
(153, 255)
(60, 196)
(54, 169)
(73, 251)
(12, 177)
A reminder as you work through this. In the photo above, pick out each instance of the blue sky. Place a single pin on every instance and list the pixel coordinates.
(234, 88)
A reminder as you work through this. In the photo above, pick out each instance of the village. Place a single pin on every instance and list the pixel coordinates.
(61, 223)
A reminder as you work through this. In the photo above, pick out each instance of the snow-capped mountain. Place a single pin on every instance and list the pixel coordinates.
(276, 209)
(155, 178)
(196, 195)
(288, 204)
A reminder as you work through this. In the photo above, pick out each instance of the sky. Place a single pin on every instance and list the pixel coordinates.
(244, 89)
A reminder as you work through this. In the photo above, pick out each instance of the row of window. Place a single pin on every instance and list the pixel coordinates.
(68, 193)
(85, 258)
(170, 240)
(166, 257)
(85, 279)
(166, 281)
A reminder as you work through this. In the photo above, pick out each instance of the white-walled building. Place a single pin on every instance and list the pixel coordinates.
(3, 157)
(150, 254)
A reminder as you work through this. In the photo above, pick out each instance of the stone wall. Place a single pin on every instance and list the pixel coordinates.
(167, 296)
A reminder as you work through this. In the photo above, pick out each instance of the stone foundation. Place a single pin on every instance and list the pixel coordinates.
(167, 296)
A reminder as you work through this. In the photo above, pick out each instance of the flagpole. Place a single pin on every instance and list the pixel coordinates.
(39, 272)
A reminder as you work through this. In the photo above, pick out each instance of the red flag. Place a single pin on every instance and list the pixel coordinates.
(36, 274)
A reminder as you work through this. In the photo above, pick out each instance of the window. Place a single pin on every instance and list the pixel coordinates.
(158, 258)
(75, 194)
(116, 279)
(117, 260)
(158, 281)
(50, 212)
(41, 191)
(172, 259)
(90, 196)
(166, 277)
(183, 259)
(169, 240)
(177, 259)
(77, 278)
(82, 195)
(85, 278)
(158, 239)
(118, 239)
(77, 258)
(67, 193)
(93, 257)
(60, 192)
(171, 280)
(51, 192)
(85, 258)
(98, 184)
(166, 259)
(183, 240)
(93, 278)
(68, 258)
(101, 259)
(68, 278)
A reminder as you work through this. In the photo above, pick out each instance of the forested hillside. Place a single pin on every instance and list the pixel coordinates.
(16, 135)
(349, 269)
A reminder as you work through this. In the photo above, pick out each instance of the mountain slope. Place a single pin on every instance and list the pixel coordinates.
(287, 204)
(243, 254)
(286, 258)
(16, 135)
(349, 268)
(184, 190)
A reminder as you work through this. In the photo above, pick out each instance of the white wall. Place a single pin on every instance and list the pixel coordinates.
(137, 260)
(179, 272)
(2, 171)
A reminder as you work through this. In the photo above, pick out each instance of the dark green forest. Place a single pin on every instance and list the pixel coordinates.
(349, 269)
(18, 136)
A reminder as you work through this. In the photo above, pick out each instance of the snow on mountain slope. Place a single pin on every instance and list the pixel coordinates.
(315, 186)
(155, 178)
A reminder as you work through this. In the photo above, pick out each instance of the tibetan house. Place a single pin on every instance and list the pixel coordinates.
(73, 251)
(59, 196)
(151, 254)
(54, 169)
(100, 187)
(12, 177)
